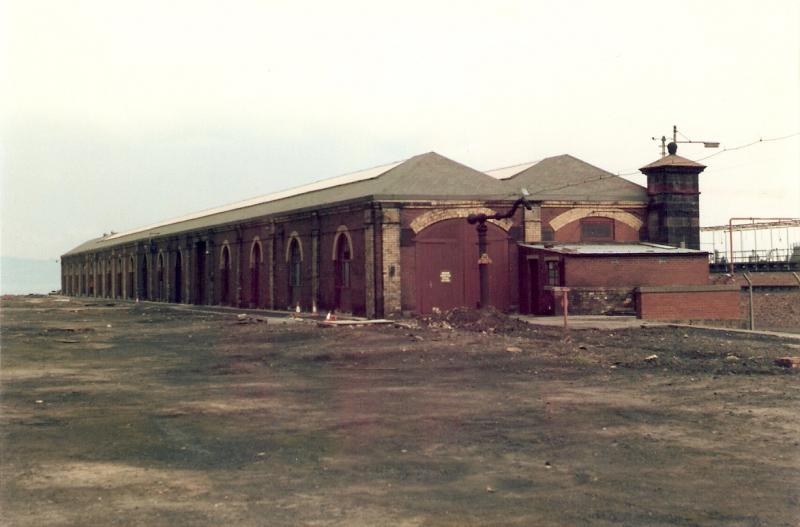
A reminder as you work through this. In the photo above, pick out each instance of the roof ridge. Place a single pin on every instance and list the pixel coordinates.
(515, 165)
(589, 164)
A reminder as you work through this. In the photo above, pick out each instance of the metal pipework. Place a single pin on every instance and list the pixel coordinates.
(483, 258)
(731, 267)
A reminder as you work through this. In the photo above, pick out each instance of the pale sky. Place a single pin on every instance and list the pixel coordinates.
(119, 114)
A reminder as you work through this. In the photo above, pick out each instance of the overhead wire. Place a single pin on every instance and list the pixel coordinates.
(634, 173)
(740, 147)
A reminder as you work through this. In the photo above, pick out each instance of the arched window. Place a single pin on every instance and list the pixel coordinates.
(131, 275)
(295, 261)
(118, 292)
(108, 279)
(256, 259)
(343, 255)
(92, 275)
(225, 278)
(343, 258)
(295, 272)
(178, 282)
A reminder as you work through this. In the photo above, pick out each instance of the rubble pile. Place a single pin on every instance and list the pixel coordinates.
(488, 320)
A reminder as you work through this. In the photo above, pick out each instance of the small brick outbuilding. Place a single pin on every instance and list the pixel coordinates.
(640, 278)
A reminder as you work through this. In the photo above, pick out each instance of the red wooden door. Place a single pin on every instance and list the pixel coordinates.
(447, 266)
(440, 271)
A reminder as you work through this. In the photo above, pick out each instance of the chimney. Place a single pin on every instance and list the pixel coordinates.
(673, 211)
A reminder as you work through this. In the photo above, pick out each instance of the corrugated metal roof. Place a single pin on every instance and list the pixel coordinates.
(611, 248)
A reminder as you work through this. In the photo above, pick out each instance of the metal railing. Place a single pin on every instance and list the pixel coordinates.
(757, 255)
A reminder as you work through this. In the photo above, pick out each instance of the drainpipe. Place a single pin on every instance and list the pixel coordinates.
(750, 289)
(483, 257)
(483, 266)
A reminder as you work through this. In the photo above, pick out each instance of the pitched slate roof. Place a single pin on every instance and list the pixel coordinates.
(513, 170)
(568, 178)
(426, 176)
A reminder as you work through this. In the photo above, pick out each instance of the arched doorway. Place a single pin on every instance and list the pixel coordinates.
(295, 273)
(177, 295)
(256, 259)
(225, 278)
(447, 266)
(343, 257)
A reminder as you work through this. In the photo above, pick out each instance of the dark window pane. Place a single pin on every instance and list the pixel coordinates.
(552, 273)
(597, 230)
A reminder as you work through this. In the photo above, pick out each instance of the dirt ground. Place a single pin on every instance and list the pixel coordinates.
(141, 414)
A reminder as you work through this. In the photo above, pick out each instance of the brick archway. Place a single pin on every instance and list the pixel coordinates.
(294, 236)
(341, 231)
(577, 214)
(434, 216)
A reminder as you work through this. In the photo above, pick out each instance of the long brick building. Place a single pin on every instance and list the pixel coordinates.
(389, 239)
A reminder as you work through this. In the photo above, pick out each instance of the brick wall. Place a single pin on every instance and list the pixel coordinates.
(571, 232)
(391, 262)
(632, 271)
(720, 302)
(318, 267)
(776, 309)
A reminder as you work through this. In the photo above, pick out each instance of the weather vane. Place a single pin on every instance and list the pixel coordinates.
(663, 139)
